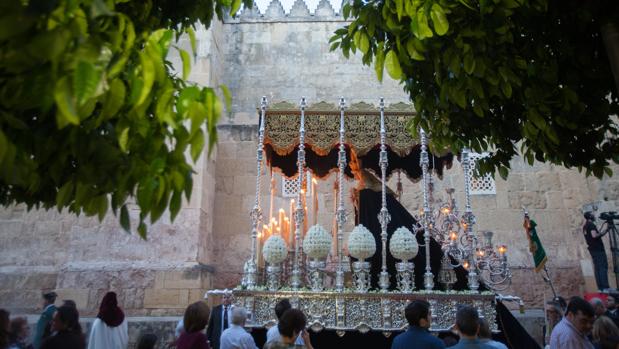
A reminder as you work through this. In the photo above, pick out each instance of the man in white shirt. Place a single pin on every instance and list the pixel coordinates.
(235, 337)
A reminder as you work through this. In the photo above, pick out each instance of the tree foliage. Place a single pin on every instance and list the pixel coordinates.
(92, 114)
(498, 74)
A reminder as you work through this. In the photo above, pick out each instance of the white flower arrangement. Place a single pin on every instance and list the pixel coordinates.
(403, 244)
(275, 250)
(317, 242)
(361, 243)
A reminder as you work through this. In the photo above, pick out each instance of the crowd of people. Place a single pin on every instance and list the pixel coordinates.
(575, 324)
(580, 324)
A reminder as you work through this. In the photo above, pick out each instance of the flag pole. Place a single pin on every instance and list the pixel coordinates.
(546, 278)
(549, 281)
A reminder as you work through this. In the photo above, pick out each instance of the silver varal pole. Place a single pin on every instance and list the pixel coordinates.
(295, 281)
(428, 277)
(341, 212)
(469, 219)
(383, 217)
(250, 270)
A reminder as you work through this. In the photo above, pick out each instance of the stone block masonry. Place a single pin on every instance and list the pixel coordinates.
(140, 291)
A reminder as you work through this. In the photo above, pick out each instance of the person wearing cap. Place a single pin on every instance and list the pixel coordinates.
(45, 321)
(596, 249)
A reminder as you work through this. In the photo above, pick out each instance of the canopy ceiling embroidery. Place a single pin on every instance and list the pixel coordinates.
(322, 122)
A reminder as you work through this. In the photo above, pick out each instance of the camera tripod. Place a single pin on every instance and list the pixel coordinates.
(609, 227)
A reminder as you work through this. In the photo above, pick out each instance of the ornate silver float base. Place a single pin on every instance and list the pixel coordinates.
(273, 277)
(249, 275)
(361, 276)
(473, 280)
(317, 275)
(355, 311)
(405, 276)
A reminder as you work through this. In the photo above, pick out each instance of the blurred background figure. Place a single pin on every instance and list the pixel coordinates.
(43, 329)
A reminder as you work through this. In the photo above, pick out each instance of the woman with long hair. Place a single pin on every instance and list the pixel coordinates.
(605, 333)
(195, 320)
(109, 330)
(66, 324)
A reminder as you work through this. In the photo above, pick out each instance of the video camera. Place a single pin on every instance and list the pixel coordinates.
(609, 216)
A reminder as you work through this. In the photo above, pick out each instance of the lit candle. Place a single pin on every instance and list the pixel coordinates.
(314, 201)
(282, 214)
(502, 249)
(465, 265)
(453, 236)
(286, 231)
(292, 224)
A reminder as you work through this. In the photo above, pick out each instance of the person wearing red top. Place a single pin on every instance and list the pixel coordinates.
(195, 320)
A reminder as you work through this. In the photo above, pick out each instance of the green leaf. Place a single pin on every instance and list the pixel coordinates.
(64, 195)
(102, 205)
(393, 65)
(175, 204)
(115, 99)
(423, 29)
(197, 144)
(412, 51)
(124, 219)
(469, 64)
(67, 112)
(227, 96)
(364, 43)
(236, 5)
(192, 39)
(123, 139)
(441, 25)
(142, 230)
(85, 81)
(148, 77)
(186, 63)
(4, 144)
(379, 63)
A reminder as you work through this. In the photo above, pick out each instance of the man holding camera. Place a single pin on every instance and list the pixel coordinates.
(596, 249)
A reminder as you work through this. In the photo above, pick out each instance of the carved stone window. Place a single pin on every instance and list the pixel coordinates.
(484, 184)
(289, 186)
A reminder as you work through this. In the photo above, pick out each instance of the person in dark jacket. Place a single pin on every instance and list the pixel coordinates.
(596, 248)
(66, 325)
(220, 320)
(419, 318)
(195, 320)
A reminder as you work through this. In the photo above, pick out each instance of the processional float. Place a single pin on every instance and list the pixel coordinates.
(347, 302)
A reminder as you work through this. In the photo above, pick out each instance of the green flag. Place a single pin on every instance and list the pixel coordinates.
(535, 245)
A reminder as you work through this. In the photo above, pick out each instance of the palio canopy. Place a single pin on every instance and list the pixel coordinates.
(362, 126)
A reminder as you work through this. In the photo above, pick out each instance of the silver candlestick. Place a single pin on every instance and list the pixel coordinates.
(295, 279)
(428, 277)
(250, 269)
(341, 212)
(383, 217)
(469, 221)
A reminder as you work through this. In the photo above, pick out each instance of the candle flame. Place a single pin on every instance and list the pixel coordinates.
(502, 249)
(453, 236)
(314, 180)
(282, 210)
(465, 265)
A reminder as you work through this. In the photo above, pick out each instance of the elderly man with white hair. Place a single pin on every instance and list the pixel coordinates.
(235, 337)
